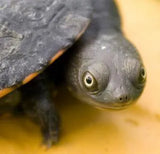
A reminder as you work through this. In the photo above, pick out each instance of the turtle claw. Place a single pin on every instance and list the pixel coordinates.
(50, 139)
(50, 129)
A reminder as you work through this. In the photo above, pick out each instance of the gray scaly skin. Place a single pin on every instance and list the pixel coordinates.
(105, 69)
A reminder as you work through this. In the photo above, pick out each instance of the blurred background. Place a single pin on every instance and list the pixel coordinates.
(86, 130)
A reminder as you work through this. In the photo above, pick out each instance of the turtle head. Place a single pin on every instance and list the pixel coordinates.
(107, 73)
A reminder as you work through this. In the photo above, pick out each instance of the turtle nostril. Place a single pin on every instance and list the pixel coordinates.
(123, 98)
(120, 98)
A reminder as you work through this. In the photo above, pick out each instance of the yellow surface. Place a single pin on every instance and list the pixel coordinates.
(86, 130)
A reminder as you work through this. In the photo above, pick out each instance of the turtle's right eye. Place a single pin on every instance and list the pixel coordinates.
(89, 82)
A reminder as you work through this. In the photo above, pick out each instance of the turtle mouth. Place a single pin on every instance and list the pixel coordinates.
(103, 104)
(111, 105)
(107, 105)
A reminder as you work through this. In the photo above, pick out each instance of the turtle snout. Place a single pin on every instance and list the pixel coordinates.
(122, 95)
(123, 98)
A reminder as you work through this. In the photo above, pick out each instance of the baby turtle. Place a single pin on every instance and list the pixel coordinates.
(103, 68)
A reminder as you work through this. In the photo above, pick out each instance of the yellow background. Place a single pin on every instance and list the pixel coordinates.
(86, 130)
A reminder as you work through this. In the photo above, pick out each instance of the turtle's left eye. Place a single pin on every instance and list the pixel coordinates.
(140, 79)
(89, 82)
(142, 75)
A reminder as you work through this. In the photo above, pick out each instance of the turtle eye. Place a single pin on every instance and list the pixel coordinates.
(142, 75)
(140, 78)
(90, 82)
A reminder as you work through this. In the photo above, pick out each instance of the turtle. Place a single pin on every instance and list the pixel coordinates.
(103, 68)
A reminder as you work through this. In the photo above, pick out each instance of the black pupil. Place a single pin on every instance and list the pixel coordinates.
(89, 80)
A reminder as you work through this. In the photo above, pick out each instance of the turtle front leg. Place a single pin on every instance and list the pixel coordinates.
(38, 104)
(49, 121)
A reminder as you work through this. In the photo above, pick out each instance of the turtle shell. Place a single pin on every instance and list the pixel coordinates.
(33, 34)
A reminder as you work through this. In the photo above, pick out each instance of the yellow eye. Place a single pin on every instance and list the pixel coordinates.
(90, 82)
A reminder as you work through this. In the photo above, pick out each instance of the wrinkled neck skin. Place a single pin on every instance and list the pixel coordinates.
(113, 61)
